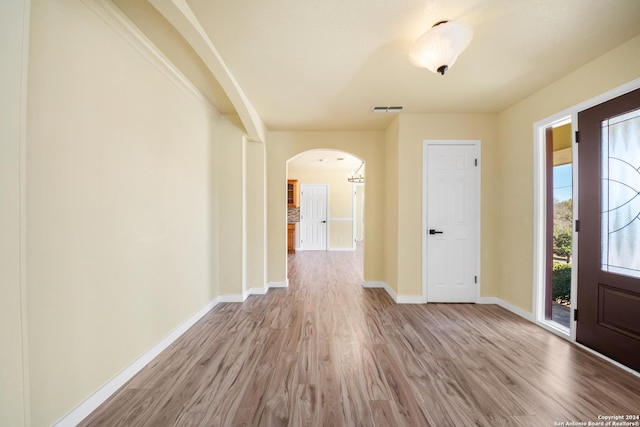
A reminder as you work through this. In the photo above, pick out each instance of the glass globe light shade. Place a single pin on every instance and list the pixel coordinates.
(438, 48)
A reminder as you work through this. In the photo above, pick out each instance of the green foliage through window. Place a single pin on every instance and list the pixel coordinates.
(561, 291)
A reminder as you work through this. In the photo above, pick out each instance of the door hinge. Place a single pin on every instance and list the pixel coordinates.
(476, 162)
(577, 225)
(577, 137)
(475, 279)
(575, 314)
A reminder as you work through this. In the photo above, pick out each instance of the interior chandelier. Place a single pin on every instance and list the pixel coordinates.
(355, 177)
(438, 48)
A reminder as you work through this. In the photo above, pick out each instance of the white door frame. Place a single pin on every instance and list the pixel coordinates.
(540, 221)
(539, 204)
(355, 186)
(425, 223)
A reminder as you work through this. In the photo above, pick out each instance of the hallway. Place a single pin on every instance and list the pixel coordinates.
(326, 351)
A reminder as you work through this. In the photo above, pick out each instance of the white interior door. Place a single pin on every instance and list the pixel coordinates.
(313, 217)
(452, 219)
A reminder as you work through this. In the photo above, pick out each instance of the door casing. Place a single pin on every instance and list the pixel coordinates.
(539, 208)
(425, 223)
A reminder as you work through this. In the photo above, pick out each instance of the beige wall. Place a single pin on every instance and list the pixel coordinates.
(413, 129)
(142, 205)
(256, 216)
(340, 205)
(230, 173)
(14, 16)
(391, 153)
(281, 146)
(119, 205)
(515, 163)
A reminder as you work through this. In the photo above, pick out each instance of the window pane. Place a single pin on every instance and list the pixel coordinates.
(621, 194)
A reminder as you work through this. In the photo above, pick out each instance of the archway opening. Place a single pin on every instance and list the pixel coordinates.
(325, 204)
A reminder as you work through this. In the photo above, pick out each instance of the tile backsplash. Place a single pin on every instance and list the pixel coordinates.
(293, 214)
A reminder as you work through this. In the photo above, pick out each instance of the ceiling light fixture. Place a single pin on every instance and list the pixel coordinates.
(355, 177)
(438, 48)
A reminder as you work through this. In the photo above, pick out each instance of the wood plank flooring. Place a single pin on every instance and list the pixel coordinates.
(327, 352)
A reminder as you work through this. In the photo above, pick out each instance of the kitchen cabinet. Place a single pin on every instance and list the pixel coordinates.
(291, 238)
(292, 193)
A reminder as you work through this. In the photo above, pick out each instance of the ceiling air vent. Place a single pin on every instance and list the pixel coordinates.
(387, 109)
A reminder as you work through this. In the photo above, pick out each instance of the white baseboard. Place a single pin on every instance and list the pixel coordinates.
(383, 285)
(529, 316)
(508, 306)
(488, 300)
(372, 284)
(399, 299)
(81, 411)
(342, 249)
(602, 356)
(404, 299)
(255, 291)
(232, 298)
(284, 284)
(85, 408)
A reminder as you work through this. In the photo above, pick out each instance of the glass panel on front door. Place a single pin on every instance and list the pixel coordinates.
(621, 194)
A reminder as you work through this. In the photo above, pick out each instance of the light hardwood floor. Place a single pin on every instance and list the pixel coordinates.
(327, 352)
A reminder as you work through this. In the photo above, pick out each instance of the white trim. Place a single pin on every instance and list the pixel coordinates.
(539, 200)
(507, 306)
(383, 285)
(540, 225)
(602, 356)
(478, 144)
(575, 261)
(254, 291)
(529, 316)
(599, 99)
(232, 298)
(111, 15)
(409, 299)
(284, 284)
(555, 328)
(488, 300)
(81, 411)
(22, 215)
(398, 299)
(373, 284)
(354, 214)
(180, 15)
(353, 230)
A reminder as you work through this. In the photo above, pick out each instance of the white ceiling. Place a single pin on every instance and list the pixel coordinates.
(325, 160)
(322, 65)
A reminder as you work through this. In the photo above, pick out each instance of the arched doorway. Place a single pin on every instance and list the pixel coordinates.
(325, 202)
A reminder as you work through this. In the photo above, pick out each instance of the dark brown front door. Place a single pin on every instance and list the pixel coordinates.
(609, 235)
